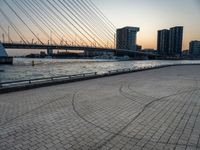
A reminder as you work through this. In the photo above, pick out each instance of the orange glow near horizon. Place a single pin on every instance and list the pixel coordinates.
(154, 15)
(149, 16)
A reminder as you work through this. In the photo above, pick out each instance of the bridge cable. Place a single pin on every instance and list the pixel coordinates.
(69, 21)
(95, 14)
(52, 20)
(41, 18)
(97, 18)
(101, 14)
(48, 25)
(82, 22)
(87, 18)
(79, 19)
(84, 19)
(32, 19)
(61, 20)
(98, 11)
(76, 22)
(4, 31)
(14, 27)
(23, 22)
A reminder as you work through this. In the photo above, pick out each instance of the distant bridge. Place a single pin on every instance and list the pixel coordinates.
(78, 48)
(63, 24)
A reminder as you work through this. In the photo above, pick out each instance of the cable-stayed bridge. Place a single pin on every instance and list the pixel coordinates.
(68, 47)
(56, 24)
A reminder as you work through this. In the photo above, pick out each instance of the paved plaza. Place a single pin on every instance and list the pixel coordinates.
(150, 110)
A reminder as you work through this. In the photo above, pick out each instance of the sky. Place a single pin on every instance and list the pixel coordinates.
(153, 15)
(149, 15)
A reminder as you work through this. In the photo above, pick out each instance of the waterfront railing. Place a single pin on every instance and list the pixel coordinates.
(38, 82)
(68, 77)
(47, 79)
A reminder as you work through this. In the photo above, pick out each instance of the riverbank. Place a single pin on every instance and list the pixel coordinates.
(22, 69)
(13, 86)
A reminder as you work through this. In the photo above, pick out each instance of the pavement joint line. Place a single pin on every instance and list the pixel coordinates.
(147, 96)
(169, 123)
(187, 119)
(155, 117)
(118, 133)
(23, 114)
(147, 125)
(123, 94)
(198, 143)
(180, 119)
(140, 95)
(146, 106)
(193, 126)
(173, 120)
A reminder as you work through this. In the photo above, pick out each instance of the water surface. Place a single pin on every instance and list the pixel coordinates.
(23, 69)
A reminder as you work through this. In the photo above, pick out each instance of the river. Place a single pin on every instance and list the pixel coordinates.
(23, 69)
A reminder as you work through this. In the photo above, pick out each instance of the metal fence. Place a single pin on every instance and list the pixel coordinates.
(76, 76)
(47, 79)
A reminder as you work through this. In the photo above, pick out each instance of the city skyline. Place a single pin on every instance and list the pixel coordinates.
(149, 16)
(154, 15)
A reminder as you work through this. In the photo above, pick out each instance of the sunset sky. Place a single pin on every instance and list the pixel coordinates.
(149, 15)
(152, 15)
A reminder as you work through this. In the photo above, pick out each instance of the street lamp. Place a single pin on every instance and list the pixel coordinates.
(8, 34)
(3, 38)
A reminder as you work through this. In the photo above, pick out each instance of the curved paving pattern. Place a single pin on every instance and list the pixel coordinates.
(155, 109)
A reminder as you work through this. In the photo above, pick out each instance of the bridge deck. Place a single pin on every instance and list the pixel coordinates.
(71, 47)
(154, 109)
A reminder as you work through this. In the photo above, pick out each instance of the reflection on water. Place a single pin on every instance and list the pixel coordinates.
(23, 69)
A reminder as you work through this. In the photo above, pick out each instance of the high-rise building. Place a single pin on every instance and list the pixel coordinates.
(169, 42)
(163, 42)
(175, 41)
(126, 38)
(194, 48)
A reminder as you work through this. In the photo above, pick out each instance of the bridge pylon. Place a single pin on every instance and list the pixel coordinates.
(4, 59)
(3, 52)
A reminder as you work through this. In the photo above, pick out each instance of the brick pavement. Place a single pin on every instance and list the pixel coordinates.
(155, 109)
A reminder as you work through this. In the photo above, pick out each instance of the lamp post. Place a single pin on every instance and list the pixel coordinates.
(51, 37)
(3, 37)
(115, 42)
(8, 34)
